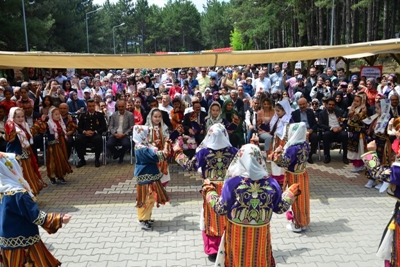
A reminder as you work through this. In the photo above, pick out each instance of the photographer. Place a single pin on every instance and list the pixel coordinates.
(320, 90)
(56, 93)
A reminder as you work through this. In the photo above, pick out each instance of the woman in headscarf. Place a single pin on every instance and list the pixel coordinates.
(82, 85)
(341, 104)
(248, 199)
(212, 159)
(148, 176)
(235, 130)
(371, 91)
(20, 138)
(214, 116)
(293, 158)
(379, 125)
(357, 143)
(159, 137)
(296, 98)
(20, 217)
(278, 125)
(216, 97)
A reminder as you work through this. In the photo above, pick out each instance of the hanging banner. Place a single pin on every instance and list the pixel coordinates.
(371, 71)
(320, 62)
(333, 63)
(298, 65)
(284, 65)
(341, 64)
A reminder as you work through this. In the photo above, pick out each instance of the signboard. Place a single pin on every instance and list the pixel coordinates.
(371, 71)
(71, 72)
(284, 65)
(341, 64)
(333, 63)
(320, 62)
(298, 65)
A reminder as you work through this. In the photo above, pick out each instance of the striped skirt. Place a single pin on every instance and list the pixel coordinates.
(246, 246)
(155, 189)
(214, 223)
(31, 173)
(57, 160)
(301, 207)
(37, 255)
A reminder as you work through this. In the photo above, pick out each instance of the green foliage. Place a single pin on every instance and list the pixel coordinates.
(179, 26)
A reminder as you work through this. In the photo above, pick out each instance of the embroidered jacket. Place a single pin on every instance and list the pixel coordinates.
(295, 158)
(20, 218)
(213, 163)
(249, 202)
(146, 169)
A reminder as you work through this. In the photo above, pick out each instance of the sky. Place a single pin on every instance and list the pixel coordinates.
(198, 3)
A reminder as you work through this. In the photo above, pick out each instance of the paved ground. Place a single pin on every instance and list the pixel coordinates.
(345, 230)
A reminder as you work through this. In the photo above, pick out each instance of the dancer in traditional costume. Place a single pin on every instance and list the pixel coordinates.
(278, 125)
(293, 158)
(159, 136)
(357, 144)
(248, 199)
(20, 217)
(148, 177)
(57, 152)
(212, 158)
(20, 139)
(389, 248)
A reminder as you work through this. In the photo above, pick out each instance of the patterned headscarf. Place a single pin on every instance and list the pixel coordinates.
(11, 178)
(248, 163)
(217, 138)
(210, 121)
(139, 136)
(23, 131)
(53, 125)
(297, 134)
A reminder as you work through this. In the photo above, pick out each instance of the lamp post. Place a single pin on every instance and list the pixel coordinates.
(122, 24)
(87, 28)
(23, 15)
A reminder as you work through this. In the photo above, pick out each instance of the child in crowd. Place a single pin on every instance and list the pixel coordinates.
(47, 104)
(248, 87)
(214, 116)
(176, 113)
(356, 129)
(148, 176)
(158, 138)
(57, 154)
(7, 102)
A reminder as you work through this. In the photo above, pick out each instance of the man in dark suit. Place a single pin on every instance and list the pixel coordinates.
(90, 128)
(238, 104)
(31, 117)
(121, 123)
(333, 130)
(189, 122)
(306, 115)
(165, 116)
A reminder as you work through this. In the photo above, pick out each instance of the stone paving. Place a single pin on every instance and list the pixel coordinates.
(346, 221)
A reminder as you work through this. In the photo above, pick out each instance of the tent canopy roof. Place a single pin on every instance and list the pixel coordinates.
(176, 60)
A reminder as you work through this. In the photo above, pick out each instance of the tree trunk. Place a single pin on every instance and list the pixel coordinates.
(320, 27)
(364, 31)
(369, 20)
(385, 18)
(356, 25)
(348, 21)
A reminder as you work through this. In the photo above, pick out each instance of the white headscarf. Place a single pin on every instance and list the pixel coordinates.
(297, 135)
(52, 124)
(281, 127)
(25, 142)
(149, 124)
(210, 121)
(248, 163)
(139, 136)
(11, 177)
(217, 138)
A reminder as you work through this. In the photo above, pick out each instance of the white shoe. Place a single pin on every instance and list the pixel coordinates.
(370, 183)
(292, 228)
(303, 228)
(384, 187)
(378, 186)
(354, 169)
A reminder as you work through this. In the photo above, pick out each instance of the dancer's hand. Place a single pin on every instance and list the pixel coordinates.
(66, 218)
(177, 148)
